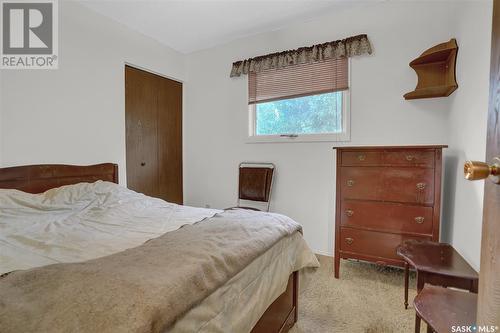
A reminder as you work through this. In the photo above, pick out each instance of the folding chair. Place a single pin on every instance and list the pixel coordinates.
(255, 183)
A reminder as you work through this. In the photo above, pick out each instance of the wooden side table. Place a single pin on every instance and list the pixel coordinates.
(443, 308)
(437, 264)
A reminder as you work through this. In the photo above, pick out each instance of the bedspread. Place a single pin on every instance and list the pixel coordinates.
(143, 289)
(81, 222)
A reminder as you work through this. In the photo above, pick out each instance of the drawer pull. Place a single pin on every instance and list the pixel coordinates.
(419, 219)
(361, 157)
(421, 186)
(349, 240)
(349, 212)
(410, 158)
(350, 183)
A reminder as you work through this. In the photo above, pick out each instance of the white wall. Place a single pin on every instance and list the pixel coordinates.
(76, 114)
(216, 109)
(1, 113)
(463, 201)
(216, 114)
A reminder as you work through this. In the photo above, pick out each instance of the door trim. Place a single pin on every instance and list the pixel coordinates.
(153, 72)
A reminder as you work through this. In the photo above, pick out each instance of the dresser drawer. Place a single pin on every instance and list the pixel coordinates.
(410, 185)
(372, 243)
(396, 184)
(387, 216)
(360, 183)
(362, 158)
(420, 158)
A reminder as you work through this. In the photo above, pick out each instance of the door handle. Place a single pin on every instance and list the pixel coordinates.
(475, 170)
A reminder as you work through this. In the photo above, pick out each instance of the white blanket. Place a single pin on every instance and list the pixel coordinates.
(80, 222)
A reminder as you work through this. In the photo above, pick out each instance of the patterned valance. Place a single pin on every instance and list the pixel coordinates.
(348, 47)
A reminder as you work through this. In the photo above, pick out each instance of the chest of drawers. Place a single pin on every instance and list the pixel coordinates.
(385, 195)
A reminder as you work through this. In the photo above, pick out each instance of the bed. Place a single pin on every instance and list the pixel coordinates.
(274, 310)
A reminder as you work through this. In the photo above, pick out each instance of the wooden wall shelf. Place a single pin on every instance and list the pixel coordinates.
(435, 70)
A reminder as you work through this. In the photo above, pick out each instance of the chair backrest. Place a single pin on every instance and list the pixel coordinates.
(255, 182)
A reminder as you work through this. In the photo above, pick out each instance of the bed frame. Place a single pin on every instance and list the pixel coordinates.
(279, 316)
(40, 178)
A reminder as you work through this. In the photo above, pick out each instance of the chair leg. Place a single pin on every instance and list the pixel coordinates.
(407, 277)
(417, 324)
(429, 329)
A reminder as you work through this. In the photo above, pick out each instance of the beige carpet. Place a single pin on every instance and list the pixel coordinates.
(366, 299)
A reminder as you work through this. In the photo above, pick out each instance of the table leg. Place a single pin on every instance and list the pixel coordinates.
(336, 265)
(420, 280)
(417, 324)
(407, 277)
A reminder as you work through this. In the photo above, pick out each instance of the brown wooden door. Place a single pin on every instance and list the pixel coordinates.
(141, 113)
(489, 277)
(153, 115)
(170, 140)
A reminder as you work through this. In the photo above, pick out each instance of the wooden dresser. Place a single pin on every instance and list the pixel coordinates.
(384, 196)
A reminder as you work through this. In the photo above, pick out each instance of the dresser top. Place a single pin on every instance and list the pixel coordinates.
(392, 147)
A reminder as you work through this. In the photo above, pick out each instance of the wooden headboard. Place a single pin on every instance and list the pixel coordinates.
(39, 178)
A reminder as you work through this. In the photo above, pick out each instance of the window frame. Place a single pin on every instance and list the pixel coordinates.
(343, 136)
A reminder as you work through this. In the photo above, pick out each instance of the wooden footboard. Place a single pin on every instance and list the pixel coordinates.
(283, 313)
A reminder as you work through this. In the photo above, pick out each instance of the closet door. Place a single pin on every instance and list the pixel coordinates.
(170, 140)
(153, 109)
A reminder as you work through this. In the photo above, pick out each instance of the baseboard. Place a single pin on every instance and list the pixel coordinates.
(323, 253)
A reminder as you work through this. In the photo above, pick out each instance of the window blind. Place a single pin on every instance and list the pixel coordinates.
(298, 80)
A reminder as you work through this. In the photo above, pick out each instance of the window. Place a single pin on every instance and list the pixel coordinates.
(308, 102)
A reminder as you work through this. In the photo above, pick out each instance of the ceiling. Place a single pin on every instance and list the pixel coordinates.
(192, 25)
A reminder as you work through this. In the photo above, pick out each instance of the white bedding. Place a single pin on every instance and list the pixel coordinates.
(81, 222)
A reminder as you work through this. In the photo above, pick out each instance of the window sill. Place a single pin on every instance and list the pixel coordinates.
(340, 137)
